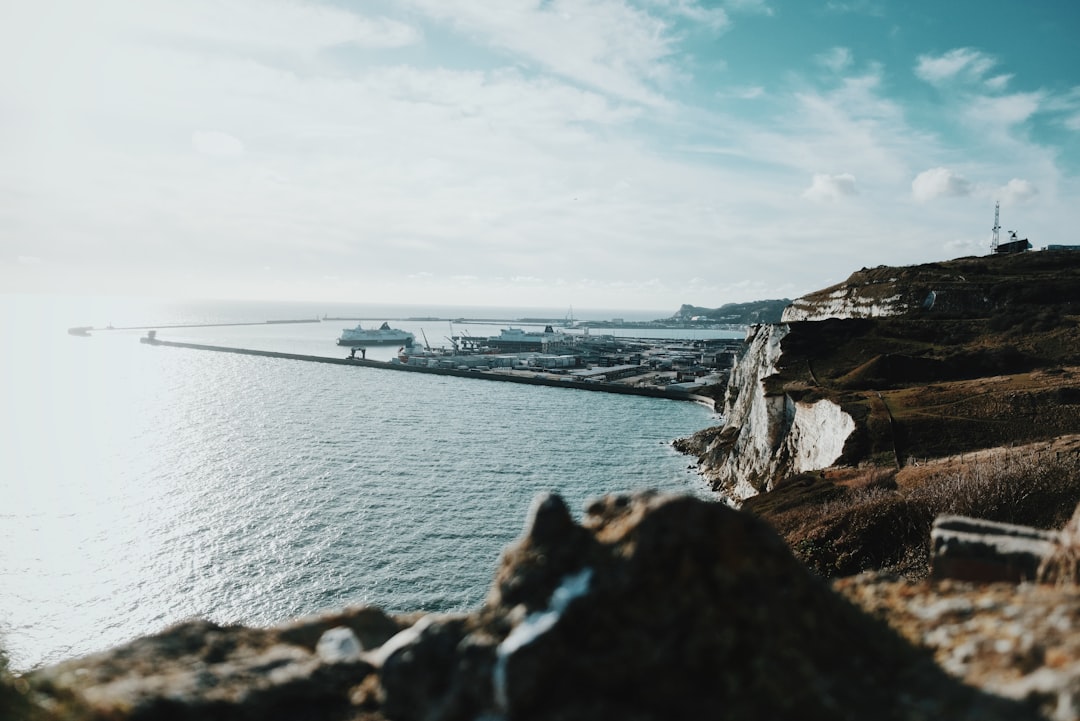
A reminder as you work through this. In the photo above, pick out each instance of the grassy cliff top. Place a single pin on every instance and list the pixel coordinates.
(971, 286)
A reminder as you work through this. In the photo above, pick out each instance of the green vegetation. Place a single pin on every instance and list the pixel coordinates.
(761, 311)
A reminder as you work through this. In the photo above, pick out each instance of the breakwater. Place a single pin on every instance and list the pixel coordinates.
(86, 329)
(533, 380)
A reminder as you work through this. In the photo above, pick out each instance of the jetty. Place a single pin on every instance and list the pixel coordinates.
(677, 394)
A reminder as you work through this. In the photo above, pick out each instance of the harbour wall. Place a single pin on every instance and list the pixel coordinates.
(569, 384)
(86, 329)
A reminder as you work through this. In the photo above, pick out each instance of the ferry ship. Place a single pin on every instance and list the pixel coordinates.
(383, 335)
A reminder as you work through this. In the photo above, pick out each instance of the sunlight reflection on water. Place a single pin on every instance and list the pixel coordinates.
(142, 486)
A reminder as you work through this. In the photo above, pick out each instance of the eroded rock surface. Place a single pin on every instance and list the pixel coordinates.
(769, 433)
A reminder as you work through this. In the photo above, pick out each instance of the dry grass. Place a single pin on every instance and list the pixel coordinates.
(868, 521)
(1063, 567)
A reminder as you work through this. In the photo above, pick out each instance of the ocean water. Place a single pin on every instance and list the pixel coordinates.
(140, 486)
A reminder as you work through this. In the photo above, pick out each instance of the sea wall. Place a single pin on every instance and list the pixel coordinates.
(768, 433)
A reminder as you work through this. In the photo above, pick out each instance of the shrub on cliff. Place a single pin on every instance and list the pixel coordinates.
(840, 529)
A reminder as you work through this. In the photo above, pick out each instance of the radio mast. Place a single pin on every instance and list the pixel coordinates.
(997, 227)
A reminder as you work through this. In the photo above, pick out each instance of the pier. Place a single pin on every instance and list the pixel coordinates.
(488, 375)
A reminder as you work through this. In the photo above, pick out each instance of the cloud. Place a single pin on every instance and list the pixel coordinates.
(1017, 191)
(1067, 105)
(216, 143)
(965, 64)
(826, 187)
(836, 59)
(750, 6)
(713, 18)
(28, 260)
(537, 139)
(607, 45)
(1005, 110)
(966, 246)
(862, 7)
(939, 183)
(266, 24)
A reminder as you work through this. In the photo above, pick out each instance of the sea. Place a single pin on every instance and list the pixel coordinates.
(141, 486)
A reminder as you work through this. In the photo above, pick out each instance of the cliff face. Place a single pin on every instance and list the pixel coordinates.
(902, 363)
(769, 433)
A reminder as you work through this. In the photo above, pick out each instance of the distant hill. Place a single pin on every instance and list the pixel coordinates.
(758, 311)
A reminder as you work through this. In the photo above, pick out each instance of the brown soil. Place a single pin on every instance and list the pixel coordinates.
(995, 364)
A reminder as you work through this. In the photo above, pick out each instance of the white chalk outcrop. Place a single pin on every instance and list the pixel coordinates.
(769, 434)
(847, 301)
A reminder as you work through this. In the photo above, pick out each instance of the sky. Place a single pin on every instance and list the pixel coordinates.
(636, 154)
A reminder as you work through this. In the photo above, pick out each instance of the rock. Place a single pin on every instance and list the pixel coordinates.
(199, 670)
(653, 607)
(769, 433)
(338, 645)
(971, 549)
(669, 608)
(1019, 642)
(371, 626)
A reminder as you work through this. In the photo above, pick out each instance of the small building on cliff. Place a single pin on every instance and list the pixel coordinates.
(1015, 245)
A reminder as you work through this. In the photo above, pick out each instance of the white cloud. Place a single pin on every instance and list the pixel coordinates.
(836, 59)
(750, 6)
(853, 122)
(966, 246)
(533, 166)
(741, 92)
(1066, 104)
(826, 187)
(1004, 111)
(939, 183)
(959, 64)
(605, 44)
(215, 142)
(863, 7)
(262, 24)
(1017, 191)
(998, 82)
(714, 18)
(28, 260)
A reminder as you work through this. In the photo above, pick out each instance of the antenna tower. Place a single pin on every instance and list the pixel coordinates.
(997, 225)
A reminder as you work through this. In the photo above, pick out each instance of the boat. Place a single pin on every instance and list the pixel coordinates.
(516, 340)
(383, 335)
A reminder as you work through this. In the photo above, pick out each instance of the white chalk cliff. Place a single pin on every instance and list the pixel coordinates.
(845, 302)
(768, 434)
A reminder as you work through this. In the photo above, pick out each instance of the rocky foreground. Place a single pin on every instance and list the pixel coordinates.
(653, 607)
